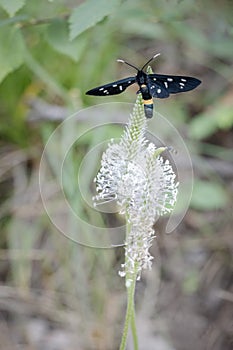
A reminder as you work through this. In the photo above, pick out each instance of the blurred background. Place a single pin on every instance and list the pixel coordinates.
(55, 293)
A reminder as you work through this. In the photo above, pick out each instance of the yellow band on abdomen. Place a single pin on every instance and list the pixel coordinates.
(148, 102)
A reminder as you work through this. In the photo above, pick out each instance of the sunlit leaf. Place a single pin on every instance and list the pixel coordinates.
(219, 116)
(90, 13)
(12, 6)
(11, 50)
(208, 195)
(58, 38)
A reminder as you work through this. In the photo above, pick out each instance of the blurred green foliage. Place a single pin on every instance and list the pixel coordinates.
(54, 48)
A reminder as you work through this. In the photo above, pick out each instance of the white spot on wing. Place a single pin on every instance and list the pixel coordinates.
(154, 79)
(184, 80)
(169, 79)
(166, 84)
(101, 89)
(120, 87)
(159, 91)
(129, 81)
(181, 84)
(114, 85)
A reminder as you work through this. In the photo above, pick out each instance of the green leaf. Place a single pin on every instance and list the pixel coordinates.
(202, 126)
(12, 6)
(206, 124)
(191, 282)
(58, 37)
(90, 13)
(208, 196)
(11, 50)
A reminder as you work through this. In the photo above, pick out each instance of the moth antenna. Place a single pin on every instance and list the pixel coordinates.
(151, 59)
(129, 64)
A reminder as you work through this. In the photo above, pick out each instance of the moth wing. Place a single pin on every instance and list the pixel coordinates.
(174, 83)
(157, 88)
(114, 88)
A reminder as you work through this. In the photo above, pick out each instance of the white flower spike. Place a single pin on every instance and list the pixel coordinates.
(135, 175)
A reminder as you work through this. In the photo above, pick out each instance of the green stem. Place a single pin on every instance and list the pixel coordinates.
(130, 312)
(130, 315)
(43, 75)
(25, 22)
(134, 329)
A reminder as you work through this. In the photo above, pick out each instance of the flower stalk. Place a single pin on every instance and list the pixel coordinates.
(134, 174)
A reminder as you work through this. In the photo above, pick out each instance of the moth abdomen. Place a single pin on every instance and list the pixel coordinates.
(148, 108)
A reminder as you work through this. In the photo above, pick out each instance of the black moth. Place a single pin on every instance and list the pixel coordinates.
(150, 85)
